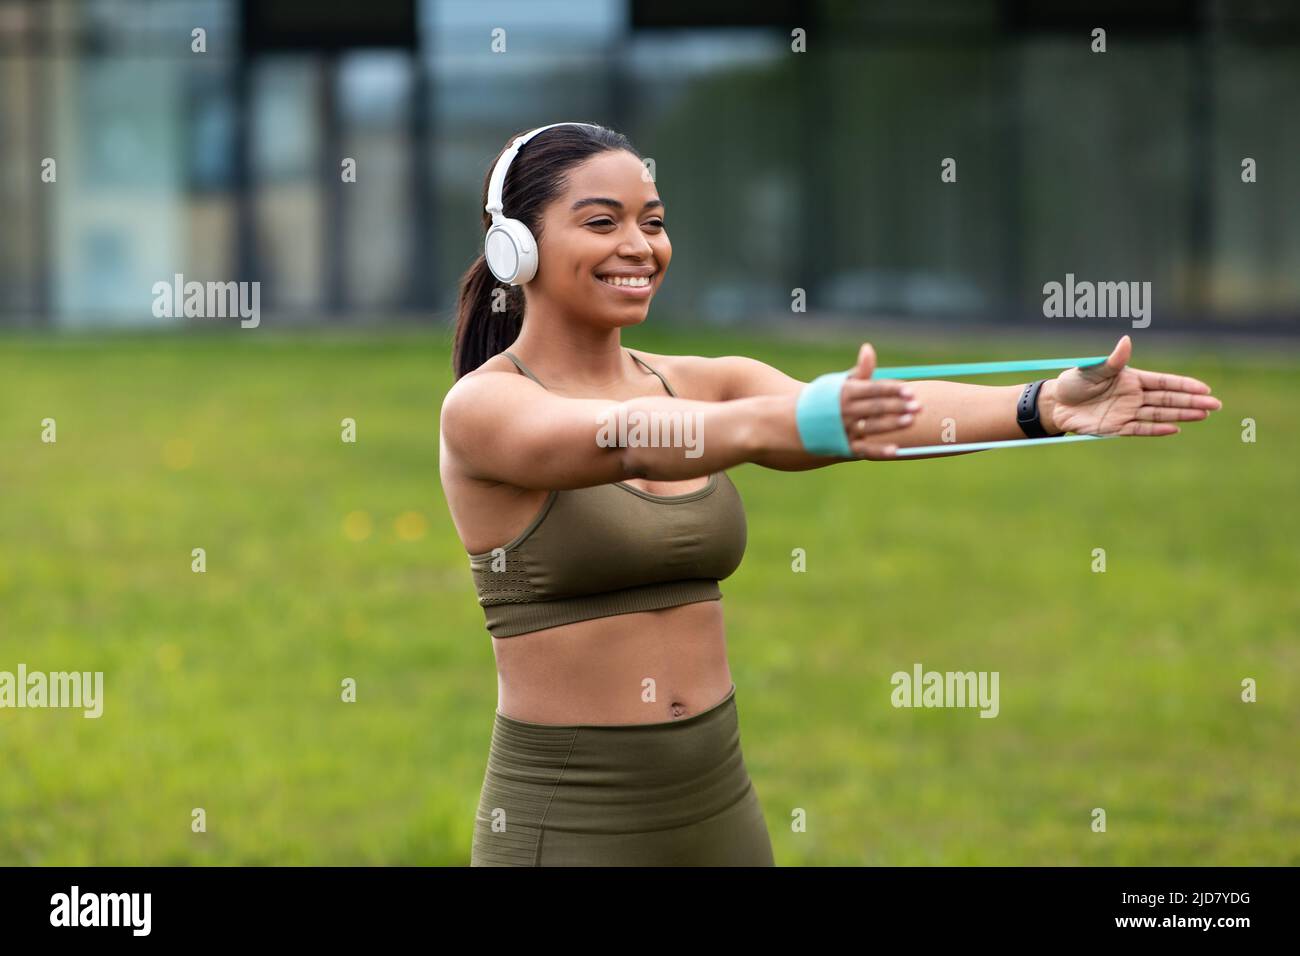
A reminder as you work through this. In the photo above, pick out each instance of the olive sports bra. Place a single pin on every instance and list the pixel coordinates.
(611, 549)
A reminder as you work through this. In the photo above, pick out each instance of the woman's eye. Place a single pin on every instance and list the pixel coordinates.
(610, 222)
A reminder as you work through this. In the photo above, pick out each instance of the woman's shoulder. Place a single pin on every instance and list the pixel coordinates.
(496, 365)
(482, 386)
(692, 376)
(718, 378)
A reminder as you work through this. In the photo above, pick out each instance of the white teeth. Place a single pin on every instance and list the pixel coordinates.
(635, 282)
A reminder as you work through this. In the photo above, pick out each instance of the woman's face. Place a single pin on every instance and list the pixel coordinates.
(609, 223)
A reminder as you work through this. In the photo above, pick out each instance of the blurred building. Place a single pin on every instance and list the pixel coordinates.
(781, 170)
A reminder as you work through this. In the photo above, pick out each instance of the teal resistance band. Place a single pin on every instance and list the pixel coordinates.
(988, 368)
(977, 445)
(985, 368)
(821, 427)
(817, 415)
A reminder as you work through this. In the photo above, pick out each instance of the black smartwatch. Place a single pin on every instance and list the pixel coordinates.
(1027, 411)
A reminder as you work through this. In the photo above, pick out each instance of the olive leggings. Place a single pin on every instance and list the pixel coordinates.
(666, 794)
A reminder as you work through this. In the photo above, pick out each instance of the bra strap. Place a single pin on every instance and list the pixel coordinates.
(657, 375)
(523, 368)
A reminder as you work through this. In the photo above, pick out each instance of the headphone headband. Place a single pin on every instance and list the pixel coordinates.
(497, 184)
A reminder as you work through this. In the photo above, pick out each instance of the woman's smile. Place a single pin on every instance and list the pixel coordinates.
(639, 287)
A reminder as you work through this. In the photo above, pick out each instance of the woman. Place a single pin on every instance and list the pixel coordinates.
(616, 739)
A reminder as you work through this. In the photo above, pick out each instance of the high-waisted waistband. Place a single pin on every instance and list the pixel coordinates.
(681, 721)
(608, 779)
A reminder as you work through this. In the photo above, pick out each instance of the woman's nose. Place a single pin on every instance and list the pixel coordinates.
(635, 245)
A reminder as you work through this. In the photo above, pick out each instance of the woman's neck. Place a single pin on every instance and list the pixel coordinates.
(580, 358)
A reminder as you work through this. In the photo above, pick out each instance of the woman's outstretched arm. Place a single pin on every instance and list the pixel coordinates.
(1110, 399)
(503, 427)
(987, 410)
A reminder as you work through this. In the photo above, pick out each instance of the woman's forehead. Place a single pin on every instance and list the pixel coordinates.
(616, 174)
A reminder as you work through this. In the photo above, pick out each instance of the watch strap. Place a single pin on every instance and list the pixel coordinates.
(1027, 411)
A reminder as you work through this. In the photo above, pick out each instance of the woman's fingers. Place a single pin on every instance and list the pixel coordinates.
(1164, 380)
(873, 451)
(855, 389)
(866, 363)
(881, 423)
(1181, 399)
(1163, 413)
(1155, 429)
(1172, 404)
(873, 405)
(870, 407)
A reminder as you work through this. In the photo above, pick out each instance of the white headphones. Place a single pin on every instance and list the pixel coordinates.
(508, 247)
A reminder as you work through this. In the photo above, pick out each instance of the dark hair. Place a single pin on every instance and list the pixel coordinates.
(536, 177)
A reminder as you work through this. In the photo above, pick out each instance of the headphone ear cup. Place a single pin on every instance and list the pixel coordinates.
(510, 251)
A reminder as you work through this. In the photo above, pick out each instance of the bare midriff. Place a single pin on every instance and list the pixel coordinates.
(642, 668)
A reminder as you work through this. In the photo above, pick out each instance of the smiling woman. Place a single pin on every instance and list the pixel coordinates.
(597, 563)
(616, 739)
(588, 185)
(634, 280)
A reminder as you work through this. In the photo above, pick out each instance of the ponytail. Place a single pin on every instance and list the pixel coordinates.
(490, 313)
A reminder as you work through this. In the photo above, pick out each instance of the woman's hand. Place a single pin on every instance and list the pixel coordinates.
(1112, 399)
(872, 406)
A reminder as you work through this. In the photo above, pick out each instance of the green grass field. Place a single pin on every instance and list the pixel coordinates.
(327, 560)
